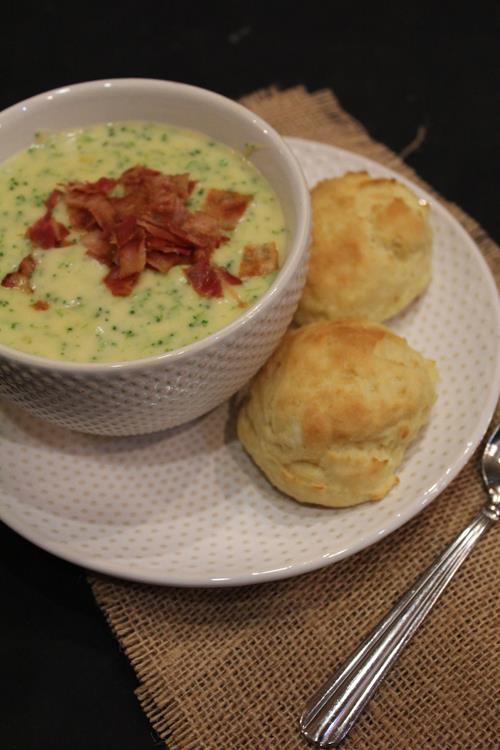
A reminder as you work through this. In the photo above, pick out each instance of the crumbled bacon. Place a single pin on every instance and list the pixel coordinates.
(149, 192)
(208, 279)
(40, 305)
(47, 232)
(203, 230)
(98, 246)
(21, 279)
(229, 277)
(27, 266)
(226, 206)
(204, 279)
(120, 286)
(90, 209)
(125, 230)
(165, 238)
(131, 258)
(229, 281)
(53, 200)
(103, 185)
(141, 220)
(16, 280)
(163, 262)
(259, 260)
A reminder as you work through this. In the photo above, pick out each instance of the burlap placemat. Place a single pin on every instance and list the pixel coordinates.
(230, 669)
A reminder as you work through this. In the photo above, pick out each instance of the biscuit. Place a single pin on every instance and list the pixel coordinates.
(370, 252)
(329, 416)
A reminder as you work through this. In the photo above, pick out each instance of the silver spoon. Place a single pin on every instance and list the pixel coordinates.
(335, 707)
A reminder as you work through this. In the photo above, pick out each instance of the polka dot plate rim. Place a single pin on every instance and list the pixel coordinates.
(187, 507)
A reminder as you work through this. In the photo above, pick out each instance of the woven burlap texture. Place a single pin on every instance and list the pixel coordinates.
(231, 669)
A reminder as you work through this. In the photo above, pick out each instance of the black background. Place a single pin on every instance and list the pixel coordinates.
(65, 682)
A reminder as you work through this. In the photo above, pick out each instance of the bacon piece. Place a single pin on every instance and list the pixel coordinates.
(163, 262)
(125, 230)
(16, 280)
(259, 260)
(98, 247)
(142, 203)
(138, 175)
(158, 245)
(80, 218)
(103, 185)
(21, 278)
(203, 230)
(131, 257)
(118, 286)
(81, 203)
(103, 212)
(229, 277)
(40, 305)
(184, 186)
(168, 194)
(204, 279)
(226, 206)
(27, 266)
(198, 230)
(47, 232)
(53, 200)
(149, 192)
(160, 237)
(167, 206)
(181, 184)
(88, 203)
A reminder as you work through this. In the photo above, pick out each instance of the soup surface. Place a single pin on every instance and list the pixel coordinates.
(68, 313)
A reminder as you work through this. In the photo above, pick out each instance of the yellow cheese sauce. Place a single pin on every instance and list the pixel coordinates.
(84, 321)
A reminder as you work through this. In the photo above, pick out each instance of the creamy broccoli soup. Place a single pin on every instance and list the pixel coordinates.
(81, 286)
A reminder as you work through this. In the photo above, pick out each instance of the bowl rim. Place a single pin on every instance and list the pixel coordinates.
(298, 245)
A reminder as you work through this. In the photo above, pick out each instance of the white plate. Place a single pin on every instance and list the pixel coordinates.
(187, 506)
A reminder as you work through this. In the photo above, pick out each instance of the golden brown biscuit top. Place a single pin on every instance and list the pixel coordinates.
(342, 381)
(393, 209)
(356, 209)
(371, 245)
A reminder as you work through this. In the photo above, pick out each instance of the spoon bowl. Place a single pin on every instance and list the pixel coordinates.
(490, 466)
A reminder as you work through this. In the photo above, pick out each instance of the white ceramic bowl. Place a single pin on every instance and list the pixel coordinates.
(159, 392)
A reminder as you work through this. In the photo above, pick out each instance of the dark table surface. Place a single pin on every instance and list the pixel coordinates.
(65, 682)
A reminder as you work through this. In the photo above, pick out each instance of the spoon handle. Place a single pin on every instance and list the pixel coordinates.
(335, 707)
